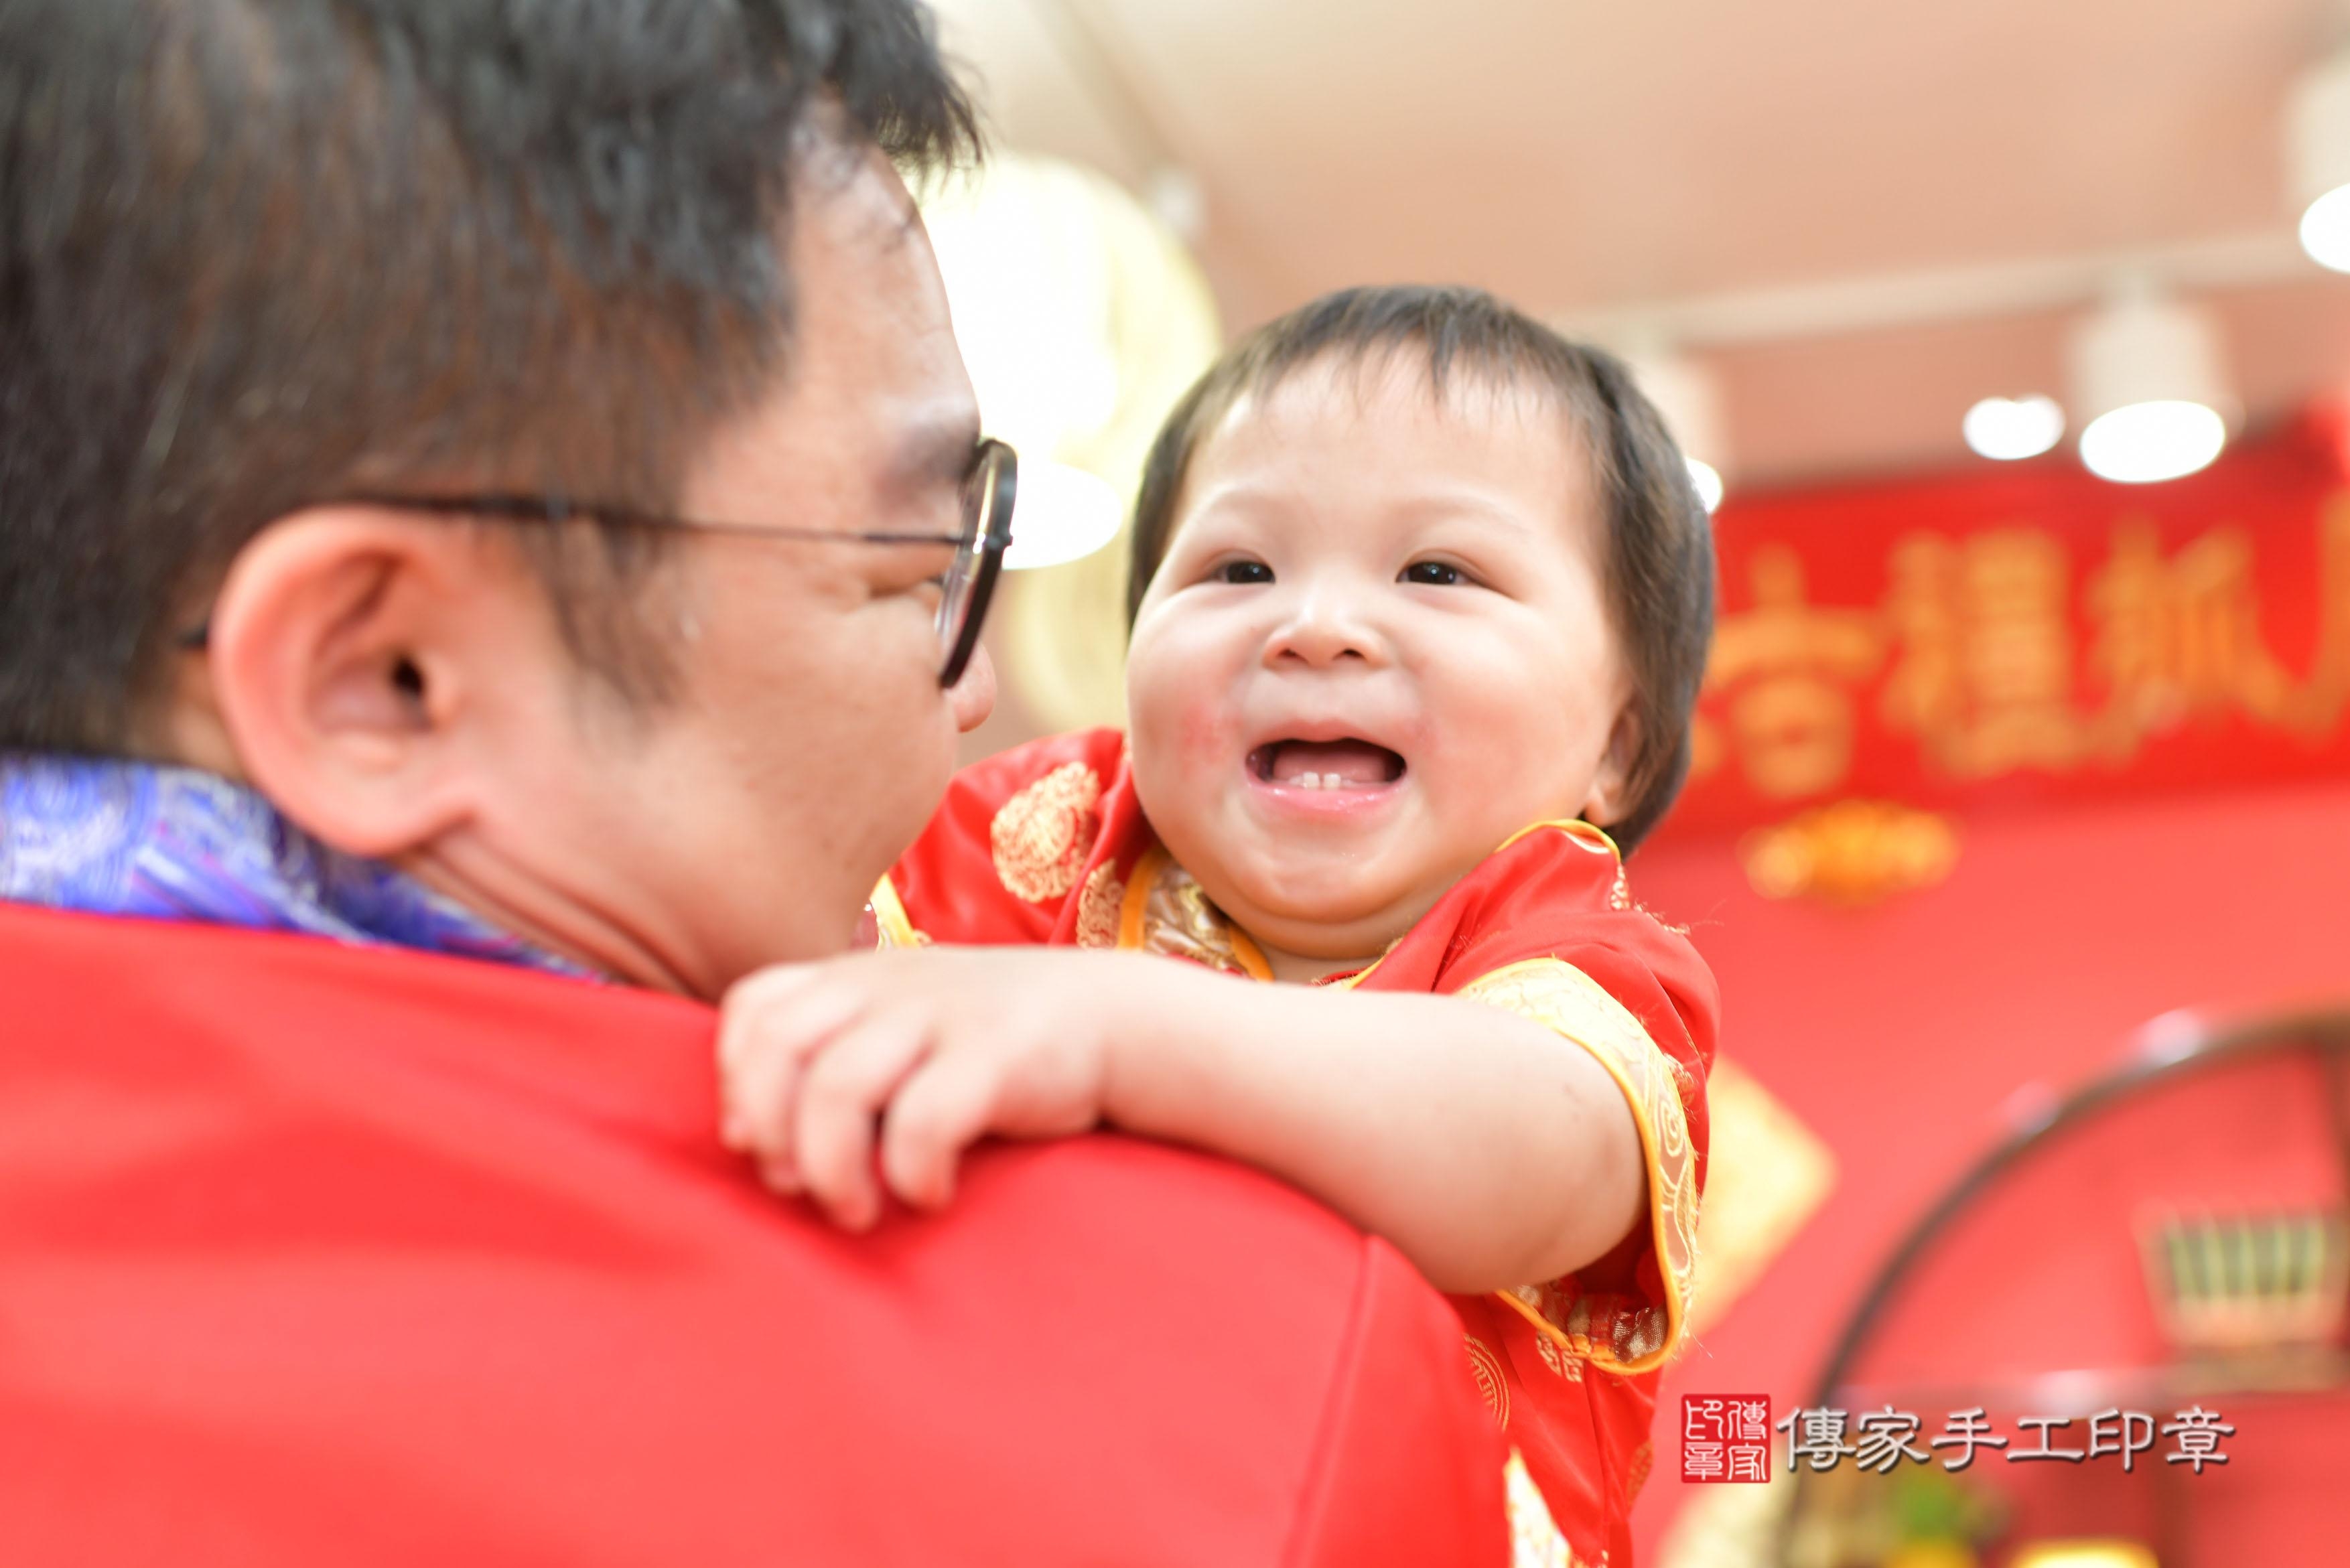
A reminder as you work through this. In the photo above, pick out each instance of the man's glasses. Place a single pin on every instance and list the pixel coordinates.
(965, 587)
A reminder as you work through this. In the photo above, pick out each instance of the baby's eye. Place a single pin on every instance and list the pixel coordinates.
(1434, 574)
(1243, 572)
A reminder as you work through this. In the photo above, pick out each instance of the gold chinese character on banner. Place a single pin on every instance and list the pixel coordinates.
(1789, 669)
(1996, 659)
(1984, 672)
(2178, 636)
(2181, 635)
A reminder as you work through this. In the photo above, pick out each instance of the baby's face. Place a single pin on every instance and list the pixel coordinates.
(1378, 646)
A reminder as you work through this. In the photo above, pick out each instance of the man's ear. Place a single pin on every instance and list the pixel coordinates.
(1610, 800)
(347, 655)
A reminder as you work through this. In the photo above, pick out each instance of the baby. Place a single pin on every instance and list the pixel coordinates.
(1420, 596)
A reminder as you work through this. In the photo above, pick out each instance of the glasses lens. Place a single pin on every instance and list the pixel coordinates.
(955, 600)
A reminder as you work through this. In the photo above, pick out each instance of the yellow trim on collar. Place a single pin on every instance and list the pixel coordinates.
(1136, 902)
(890, 915)
(1574, 827)
(1134, 929)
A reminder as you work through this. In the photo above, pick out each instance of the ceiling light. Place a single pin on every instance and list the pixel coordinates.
(2148, 383)
(1689, 398)
(1708, 481)
(2011, 428)
(2318, 152)
(2147, 442)
(1060, 513)
(2325, 229)
(1079, 317)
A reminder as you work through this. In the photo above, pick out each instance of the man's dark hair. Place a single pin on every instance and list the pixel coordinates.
(255, 253)
(1660, 550)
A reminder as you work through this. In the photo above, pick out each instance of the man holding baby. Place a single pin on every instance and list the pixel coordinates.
(495, 484)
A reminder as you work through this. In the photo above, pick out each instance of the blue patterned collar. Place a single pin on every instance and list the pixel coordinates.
(112, 838)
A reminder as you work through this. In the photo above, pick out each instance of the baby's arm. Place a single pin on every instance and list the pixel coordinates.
(1487, 1148)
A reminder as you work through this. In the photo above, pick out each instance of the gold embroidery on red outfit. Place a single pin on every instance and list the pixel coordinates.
(1097, 908)
(1166, 912)
(1563, 998)
(1565, 1362)
(1486, 1369)
(1644, 1459)
(1041, 836)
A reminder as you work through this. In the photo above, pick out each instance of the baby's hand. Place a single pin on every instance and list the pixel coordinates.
(939, 1046)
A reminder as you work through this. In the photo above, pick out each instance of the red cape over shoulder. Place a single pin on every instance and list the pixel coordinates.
(314, 1254)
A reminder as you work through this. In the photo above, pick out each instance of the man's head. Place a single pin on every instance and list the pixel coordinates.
(1414, 544)
(257, 256)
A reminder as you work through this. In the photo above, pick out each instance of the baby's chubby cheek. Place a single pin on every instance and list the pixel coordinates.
(1203, 736)
(1176, 726)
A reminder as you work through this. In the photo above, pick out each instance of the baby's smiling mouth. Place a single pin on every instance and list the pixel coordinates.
(1341, 764)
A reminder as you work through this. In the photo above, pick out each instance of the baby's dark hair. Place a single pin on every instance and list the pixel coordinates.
(1659, 555)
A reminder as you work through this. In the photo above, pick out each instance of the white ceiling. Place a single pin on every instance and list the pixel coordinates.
(1589, 159)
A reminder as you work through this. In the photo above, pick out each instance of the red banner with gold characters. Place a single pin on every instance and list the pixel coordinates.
(2030, 634)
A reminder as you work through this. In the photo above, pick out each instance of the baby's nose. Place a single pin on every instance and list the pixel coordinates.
(1327, 630)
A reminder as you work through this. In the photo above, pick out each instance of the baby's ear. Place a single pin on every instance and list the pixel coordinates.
(1611, 787)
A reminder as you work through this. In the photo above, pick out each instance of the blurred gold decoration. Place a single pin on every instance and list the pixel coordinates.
(1913, 1518)
(2084, 1554)
(1727, 1526)
(1931, 1554)
(1853, 852)
(1082, 319)
(1766, 1175)
(2247, 1284)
